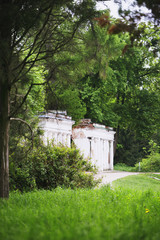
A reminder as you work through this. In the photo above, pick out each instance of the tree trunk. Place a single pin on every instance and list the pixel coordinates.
(5, 77)
(4, 139)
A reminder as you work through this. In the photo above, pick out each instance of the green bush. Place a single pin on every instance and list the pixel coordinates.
(150, 164)
(46, 167)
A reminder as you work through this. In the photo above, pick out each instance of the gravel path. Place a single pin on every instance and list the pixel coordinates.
(110, 176)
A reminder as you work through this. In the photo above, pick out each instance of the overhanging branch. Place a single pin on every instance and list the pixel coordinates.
(25, 97)
(23, 121)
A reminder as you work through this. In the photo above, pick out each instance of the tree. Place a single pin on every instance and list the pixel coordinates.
(85, 62)
(137, 104)
(31, 27)
(141, 77)
(153, 5)
(118, 88)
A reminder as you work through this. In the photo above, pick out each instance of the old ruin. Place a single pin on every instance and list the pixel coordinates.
(57, 127)
(95, 141)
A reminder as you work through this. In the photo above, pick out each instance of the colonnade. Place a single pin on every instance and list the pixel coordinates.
(57, 137)
(100, 151)
(94, 141)
(57, 128)
(96, 144)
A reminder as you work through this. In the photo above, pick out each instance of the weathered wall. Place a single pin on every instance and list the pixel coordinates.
(57, 126)
(95, 142)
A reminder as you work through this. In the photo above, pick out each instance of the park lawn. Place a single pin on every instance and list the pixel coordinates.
(128, 211)
(140, 182)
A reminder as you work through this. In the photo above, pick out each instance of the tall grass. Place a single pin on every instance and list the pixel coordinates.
(81, 214)
(124, 167)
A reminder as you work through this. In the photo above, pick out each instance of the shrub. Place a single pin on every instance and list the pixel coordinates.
(46, 167)
(150, 164)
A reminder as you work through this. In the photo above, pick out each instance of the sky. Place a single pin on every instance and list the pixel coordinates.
(111, 5)
(114, 7)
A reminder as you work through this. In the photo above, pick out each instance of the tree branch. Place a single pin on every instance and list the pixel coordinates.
(25, 97)
(21, 120)
(15, 43)
(30, 53)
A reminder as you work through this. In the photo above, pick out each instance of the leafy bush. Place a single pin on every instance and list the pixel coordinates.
(150, 164)
(46, 167)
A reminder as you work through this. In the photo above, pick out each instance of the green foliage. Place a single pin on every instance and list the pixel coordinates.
(153, 176)
(124, 167)
(91, 89)
(46, 167)
(112, 88)
(130, 148)
(138, 183)
(36, 99)
(152, 161)
(69, 100)
(153, 147)
(83, 76)
(130, 211)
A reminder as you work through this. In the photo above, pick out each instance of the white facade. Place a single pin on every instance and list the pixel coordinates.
(96, 143)
(57, 126)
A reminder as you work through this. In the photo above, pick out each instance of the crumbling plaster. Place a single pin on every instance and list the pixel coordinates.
(95, 141)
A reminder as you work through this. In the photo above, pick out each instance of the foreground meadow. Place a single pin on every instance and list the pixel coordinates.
(105, 213)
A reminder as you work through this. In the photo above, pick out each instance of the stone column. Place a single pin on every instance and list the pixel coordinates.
(55, 138)
(98, 154)
(95, 151)
(68, 140)
(107, 155)
(63, 139)
(105, 160)
(59, 138)
(101, 155)
(111, 155)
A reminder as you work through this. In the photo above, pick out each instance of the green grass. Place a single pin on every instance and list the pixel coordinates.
(140, 182)
(153, 175)
(124, 167)
(130, 211)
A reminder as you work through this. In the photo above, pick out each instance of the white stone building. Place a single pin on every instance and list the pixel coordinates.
(57, 126)
(96, 143)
